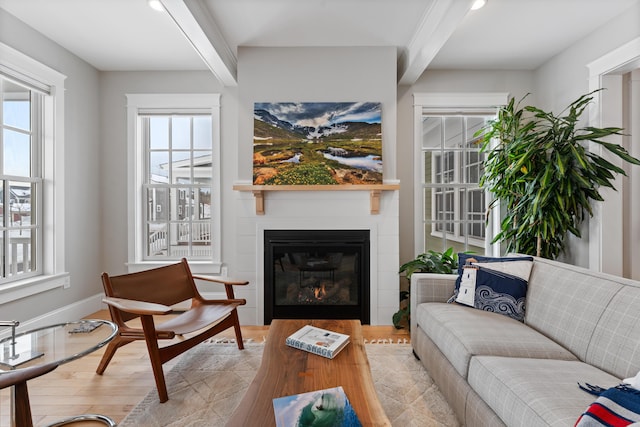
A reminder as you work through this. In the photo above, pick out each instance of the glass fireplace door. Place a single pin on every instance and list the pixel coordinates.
(316, 274)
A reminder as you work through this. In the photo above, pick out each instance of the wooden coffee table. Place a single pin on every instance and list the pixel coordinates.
(285, 371)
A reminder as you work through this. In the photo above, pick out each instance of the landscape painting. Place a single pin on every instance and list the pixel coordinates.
(317, 143)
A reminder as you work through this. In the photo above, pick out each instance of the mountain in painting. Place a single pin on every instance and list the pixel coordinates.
(266, 125)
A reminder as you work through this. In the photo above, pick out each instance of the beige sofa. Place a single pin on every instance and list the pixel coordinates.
(579, 326)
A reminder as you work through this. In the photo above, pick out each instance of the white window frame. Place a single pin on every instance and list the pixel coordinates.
(138, 104)
(15, 64)
(463, 103)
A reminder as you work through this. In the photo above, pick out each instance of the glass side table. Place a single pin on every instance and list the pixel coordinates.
(60, 343)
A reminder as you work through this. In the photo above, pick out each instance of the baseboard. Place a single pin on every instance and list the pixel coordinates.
(68, 313)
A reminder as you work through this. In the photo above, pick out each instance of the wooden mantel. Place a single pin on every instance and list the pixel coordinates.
(373, 189)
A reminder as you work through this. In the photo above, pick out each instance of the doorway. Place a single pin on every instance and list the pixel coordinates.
(614, 231)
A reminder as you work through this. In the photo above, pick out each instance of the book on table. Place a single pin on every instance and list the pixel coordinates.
(318, 341)
(329, 407)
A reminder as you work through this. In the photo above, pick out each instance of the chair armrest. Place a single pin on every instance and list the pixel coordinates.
(223, 280)
(239, 301)
(432, 287)
(429, 287)
(137, 307)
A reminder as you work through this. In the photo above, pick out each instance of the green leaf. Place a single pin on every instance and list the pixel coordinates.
(398, 317)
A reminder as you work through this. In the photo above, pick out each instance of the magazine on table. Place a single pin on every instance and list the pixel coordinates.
(318, 341)
(329, 407)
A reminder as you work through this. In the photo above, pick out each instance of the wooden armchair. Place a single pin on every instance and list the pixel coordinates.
(152, 293)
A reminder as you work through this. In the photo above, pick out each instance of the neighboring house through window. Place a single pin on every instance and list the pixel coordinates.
(174, 140)
(31, 188)
(450, 205)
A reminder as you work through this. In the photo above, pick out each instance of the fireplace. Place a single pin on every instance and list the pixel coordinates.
(316, 274)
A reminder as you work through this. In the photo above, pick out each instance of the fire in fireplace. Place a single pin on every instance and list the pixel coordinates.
(316, 274)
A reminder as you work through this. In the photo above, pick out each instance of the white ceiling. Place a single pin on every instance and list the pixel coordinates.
(205, 34)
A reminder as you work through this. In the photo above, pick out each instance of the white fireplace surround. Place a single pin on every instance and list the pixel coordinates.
(326, 210)
(309, 75)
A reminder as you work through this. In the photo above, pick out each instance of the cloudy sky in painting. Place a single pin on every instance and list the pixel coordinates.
(316, 114)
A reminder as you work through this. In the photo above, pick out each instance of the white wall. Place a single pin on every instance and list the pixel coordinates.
(318, 75)
(566, 77)
(114, 86)
(82, 166)
(264, 74)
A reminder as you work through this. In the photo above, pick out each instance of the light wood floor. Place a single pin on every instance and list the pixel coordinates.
(75, 388)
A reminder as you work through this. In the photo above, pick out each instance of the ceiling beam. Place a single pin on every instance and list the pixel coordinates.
(197, 24)
(438, 23)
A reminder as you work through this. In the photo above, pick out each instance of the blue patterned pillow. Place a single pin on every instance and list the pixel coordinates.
(493, 284)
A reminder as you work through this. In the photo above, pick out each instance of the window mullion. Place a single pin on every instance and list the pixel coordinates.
(5, 193)
(2, 127)
(191, 192)
(443, 191)
(4, 230)
(37, 134)
(458, 164)
(465, 208)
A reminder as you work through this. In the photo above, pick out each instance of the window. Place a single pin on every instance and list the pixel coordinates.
(176, 178)
(31, 143)
(20, 181)
(450, 206)
(457, 205)
(178, 185)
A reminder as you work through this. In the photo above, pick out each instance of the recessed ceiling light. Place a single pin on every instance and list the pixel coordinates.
(156, 5)
(478, 4)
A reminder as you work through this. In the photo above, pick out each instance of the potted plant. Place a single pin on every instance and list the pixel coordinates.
(543, 175)
(429, 262)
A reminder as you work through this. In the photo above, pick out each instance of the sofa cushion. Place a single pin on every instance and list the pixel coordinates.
(461, 332)
(615, 345)
(566, 303)
(535, 392)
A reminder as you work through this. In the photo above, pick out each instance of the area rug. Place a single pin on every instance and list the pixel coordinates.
(208, 382)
